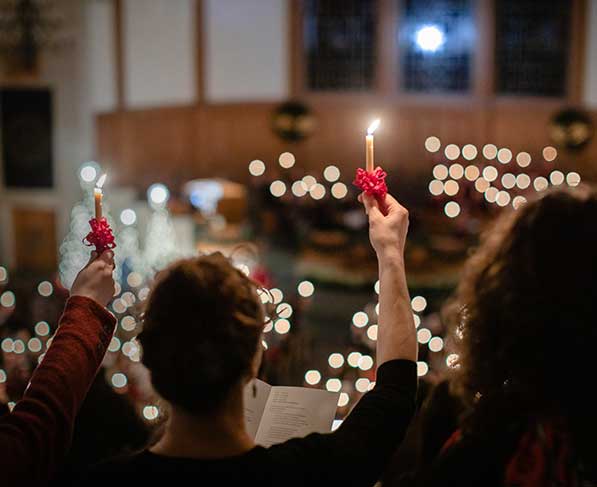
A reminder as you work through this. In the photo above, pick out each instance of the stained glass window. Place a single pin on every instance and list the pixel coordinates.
(532, 45)
(436, 39)
(340, 44)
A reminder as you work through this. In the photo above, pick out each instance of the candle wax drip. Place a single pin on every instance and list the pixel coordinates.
(100, 235)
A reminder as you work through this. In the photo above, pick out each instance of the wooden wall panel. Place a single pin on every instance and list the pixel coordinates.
(174, 144)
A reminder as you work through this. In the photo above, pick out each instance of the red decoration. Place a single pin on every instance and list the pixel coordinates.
(373, 184)
(101, 235)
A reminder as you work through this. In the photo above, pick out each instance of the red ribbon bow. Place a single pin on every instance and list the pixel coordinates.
(101, 235)
(373, 184)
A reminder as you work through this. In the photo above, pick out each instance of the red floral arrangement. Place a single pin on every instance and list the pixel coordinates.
(100, 235)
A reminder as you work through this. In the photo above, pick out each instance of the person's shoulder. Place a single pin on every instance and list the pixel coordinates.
(121, 464)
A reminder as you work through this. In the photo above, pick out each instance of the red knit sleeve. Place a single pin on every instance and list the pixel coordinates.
(35, 437)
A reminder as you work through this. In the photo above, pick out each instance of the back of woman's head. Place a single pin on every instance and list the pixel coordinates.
(202, 327)
(524, 311)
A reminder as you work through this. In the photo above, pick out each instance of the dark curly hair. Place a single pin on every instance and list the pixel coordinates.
(524, 316)
(201, 332)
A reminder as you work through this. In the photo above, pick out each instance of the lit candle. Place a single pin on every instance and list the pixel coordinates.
(370, 161)
(98, 194)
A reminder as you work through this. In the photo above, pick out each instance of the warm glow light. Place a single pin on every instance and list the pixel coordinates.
(42, 328)
(276, 295)
(372, 332)
(422, 368)
(128, 323)
(256, 167)
(469, 152)
(298, 189)
(572, 179)
(331, 173)
(309, 181)
(353, 359)
(417, 320)
(432, 144)
(556, 178)
(336, 360)
(550, 153)
(374, 126)
(284, 310)
(317, 191)
(119, 380)
(45, 289)
(7, 345)
(491, 194)
(365, 362)
(34, 345)
(452, 152)
(343, 399)
(503, 198)
(481, 185)
(504, 155)
(360, 319)
(7, 299)
(436, 344)
(451, 187)
(490, 151)
(418, 304)
(376, 287)
(456, 171)
(282, 326)
(523, 159)
(150, 412)
(3, 275)
(430, 38)
(333, 385)
(286, 160)
(339, 190)
(490, 173)
(440, 172)
(508, 180)
(540, 183)
(114, 345)
(452, 360)
(361, 384)
(471, 173)
(523, 181)
(518, 201)
(452, 209)
(306, 289)
(134, 279)
(423, 335)
(277, 188)
(312, 377)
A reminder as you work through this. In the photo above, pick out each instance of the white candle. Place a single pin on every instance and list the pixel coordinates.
(98, 195)
(369, 158)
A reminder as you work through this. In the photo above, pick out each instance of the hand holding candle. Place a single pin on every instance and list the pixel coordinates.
(101, 234)
(371, 180)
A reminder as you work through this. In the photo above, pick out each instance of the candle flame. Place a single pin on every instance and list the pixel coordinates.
(373, 127)
(101, 181)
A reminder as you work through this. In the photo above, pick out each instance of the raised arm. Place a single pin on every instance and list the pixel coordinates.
(358, 451)
(397, 338)
(34, 438)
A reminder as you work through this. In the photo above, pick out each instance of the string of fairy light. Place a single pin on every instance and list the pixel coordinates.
(495, 173)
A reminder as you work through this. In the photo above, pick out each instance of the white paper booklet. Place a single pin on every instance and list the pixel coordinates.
(277, 414)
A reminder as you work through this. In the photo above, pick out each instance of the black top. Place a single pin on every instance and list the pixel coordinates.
(355, 454)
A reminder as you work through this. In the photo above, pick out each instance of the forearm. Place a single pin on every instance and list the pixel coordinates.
(35, 437)
(396, 338)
